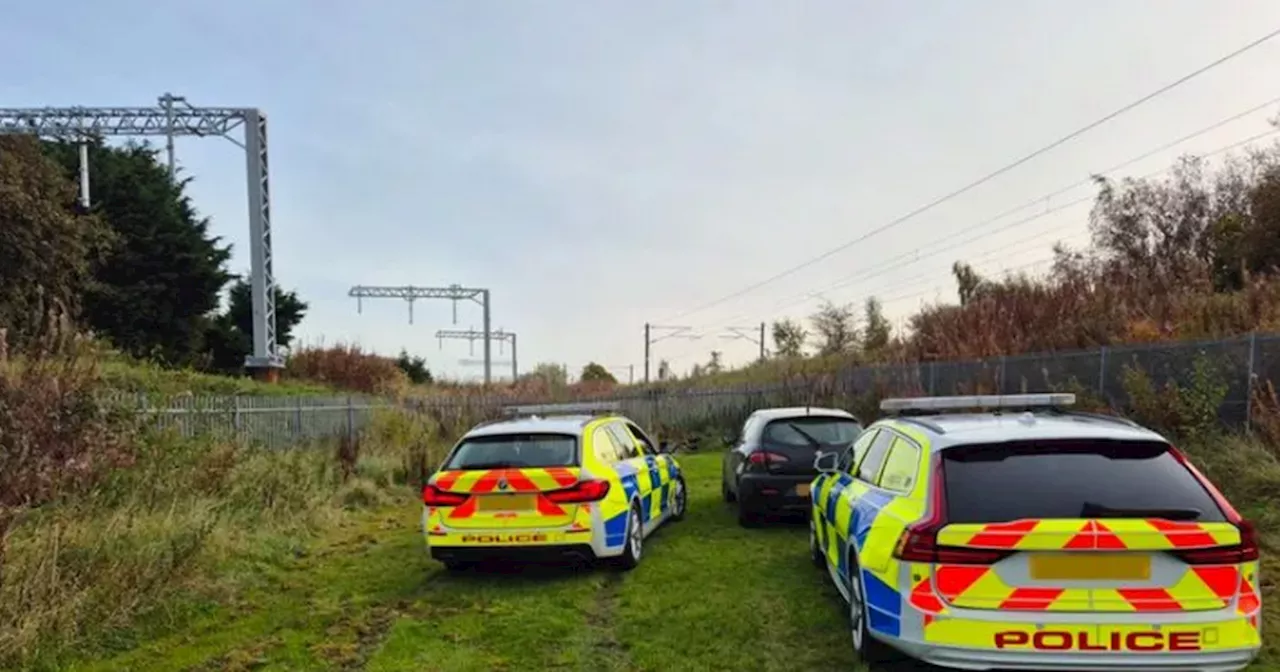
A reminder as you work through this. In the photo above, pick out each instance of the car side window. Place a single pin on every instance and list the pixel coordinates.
(869, 466)
(605, 447)
(857, 450)
(645, 444)
(901, 466)
(626, 445)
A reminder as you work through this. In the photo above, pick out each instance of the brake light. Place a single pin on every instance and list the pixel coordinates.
(765, 457)
(582, 491)
(1245, 551)
(433, 496)
(919, 542)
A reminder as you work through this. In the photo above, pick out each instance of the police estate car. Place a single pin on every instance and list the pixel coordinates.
(1026, 536)
(573, 486)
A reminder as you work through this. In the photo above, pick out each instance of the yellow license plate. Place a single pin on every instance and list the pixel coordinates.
(802, 490)
(505, 503)
(1086, 567)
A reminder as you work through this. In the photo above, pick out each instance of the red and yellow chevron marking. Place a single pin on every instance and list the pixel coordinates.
(1088, 534)
(978, 587)
(518, 480)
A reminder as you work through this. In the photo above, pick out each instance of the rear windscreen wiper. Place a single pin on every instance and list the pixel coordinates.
(489, 465)
(1095, 510)
(807, 436)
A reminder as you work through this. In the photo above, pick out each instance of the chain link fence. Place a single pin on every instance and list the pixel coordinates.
(1240, 364)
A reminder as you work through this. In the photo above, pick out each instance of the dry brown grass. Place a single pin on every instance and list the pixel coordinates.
(348, 367)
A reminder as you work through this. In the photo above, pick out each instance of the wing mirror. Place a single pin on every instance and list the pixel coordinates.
(826, 462)
(664, 447)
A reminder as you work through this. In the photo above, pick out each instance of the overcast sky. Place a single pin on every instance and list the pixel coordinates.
(602, 164)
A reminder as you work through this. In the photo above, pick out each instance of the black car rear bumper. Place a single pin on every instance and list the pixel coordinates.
(761, 493)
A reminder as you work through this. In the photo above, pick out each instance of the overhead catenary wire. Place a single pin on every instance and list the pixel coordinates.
(986, 178)
(795, 300)
(945, 243)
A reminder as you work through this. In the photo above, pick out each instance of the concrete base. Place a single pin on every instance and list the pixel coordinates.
(266, 374)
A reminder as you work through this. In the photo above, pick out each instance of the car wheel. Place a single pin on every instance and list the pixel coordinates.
(816, 553)
(868, 648)
(681, 499)
(634, 545)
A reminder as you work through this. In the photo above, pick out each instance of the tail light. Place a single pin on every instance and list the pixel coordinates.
(433, 496)
(582, 491)
(1246, 551)
(919, 542)
(765, 458)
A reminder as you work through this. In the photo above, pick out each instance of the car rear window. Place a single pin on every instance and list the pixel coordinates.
(791, 431)
(1071, 479)
(516, 451)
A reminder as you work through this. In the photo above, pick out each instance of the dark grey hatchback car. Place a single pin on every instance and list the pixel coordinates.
(771, 463)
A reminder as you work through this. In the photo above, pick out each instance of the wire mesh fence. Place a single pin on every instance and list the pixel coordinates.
(274, 422)
(1240, 364)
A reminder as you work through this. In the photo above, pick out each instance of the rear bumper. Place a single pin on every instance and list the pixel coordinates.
(775, 492)
(547, 553)
(1228, 660)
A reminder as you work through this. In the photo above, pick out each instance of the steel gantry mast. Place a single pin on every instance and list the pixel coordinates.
(170, 120)
(453, 293)
(472, 336)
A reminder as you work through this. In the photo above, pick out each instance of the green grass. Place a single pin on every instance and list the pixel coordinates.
(708, 595)
(134, 376)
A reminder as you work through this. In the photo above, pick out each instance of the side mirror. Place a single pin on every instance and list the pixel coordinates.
(826, 462)
(664, 447)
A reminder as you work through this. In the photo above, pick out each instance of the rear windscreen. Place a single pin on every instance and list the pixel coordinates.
(805, 430)
(515, 451)
(1071, 479)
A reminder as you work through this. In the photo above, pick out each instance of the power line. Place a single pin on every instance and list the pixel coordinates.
(945, 244)
(890, 266)
(987, 178)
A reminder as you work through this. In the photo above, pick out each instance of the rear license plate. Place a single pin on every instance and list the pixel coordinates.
(802, 490)
(505, 503)
(1086, 567)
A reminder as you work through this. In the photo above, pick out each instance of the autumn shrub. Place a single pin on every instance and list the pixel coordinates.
(348, 367)
(1191, 411)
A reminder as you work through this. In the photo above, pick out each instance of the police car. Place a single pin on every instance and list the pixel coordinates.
(1009, 532)
(564, 482)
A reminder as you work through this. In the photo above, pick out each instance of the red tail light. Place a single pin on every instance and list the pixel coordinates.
(765, 457)
(433, 496)
(582, 491)
(1245, 551)
(919, 542)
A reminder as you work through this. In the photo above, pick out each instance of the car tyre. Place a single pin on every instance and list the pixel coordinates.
(869, 649)
(681, 499)
(633, 547)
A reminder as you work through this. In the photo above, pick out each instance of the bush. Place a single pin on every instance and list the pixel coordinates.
(348, 367)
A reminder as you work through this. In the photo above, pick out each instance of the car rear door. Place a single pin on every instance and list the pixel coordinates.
(1106, 527)
(506, 478)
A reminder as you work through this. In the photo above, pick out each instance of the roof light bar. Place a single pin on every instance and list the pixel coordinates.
(984, 401)
(564, 409)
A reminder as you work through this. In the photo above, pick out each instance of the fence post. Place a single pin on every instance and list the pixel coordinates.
(351, 420)
(1248, 390)
(235, 415)
(1000, 381)
(297, 425)
(933, 374)
(1102, 373)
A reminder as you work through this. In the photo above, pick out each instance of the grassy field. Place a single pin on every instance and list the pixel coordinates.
(708, 595)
